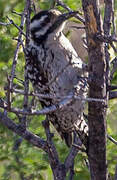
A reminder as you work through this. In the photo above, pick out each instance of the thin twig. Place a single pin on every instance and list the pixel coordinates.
(30, 137)
(19, 164)
(114, 68)
(26, 80)
(17, 144)
(113, 46)
(112, 94)
(17, 50)
(87, 164)
(12, 22)
(21, 43)
(28, 10)
(60, 3)
(115, 177)
(5, 24)
(8, 93)
(46, 110)
(113, 21)
(112, 87)
(53, 155)
(34, 6)
(71, 174)
(12, 74)
(106, 38)
(79, 148)
(49, 96)
(19, 14)
(69, 161)
(111, 139)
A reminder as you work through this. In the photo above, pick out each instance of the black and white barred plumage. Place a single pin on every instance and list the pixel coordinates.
(50, 53)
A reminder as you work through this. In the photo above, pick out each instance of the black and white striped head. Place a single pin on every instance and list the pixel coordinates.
(47, 22)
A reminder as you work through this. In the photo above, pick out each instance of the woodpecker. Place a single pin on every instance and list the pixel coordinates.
(54, 67)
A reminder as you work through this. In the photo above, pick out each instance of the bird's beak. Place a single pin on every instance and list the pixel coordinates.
(62, 18)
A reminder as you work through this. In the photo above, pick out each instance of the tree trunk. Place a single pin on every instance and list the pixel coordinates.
(97, 89)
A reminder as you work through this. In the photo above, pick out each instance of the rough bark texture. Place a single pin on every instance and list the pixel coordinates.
(97, 89)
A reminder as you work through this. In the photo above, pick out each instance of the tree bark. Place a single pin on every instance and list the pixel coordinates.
(97, 89)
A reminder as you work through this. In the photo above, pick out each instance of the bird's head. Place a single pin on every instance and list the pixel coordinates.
(47, 22)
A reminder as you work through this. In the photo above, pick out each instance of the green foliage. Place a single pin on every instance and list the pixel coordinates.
(45, 4)
(30, 162)
(73, 4)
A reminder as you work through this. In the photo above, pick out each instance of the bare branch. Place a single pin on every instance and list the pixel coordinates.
(111, 139)
(28, 10)
(17, 49)
(34, 7)
(20, 29)
(114, 68)
(17, 144)
(60, 3)
(106, 38)
(20, 164)
(19, 14)
(113, 46)
(49, 96)
(115, 177)
(79, 148)
(53, 155)
(69, 161)
(8, 93)
(66, 101)
(26, 80)
(71, 172)
(113, 95)
(112, 87)
(5, 24)
(113, 21)
(46, 110)
(30, 137)
(108, 16)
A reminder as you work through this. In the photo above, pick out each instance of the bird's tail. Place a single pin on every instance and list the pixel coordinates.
(68, 138)
(81, 129)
